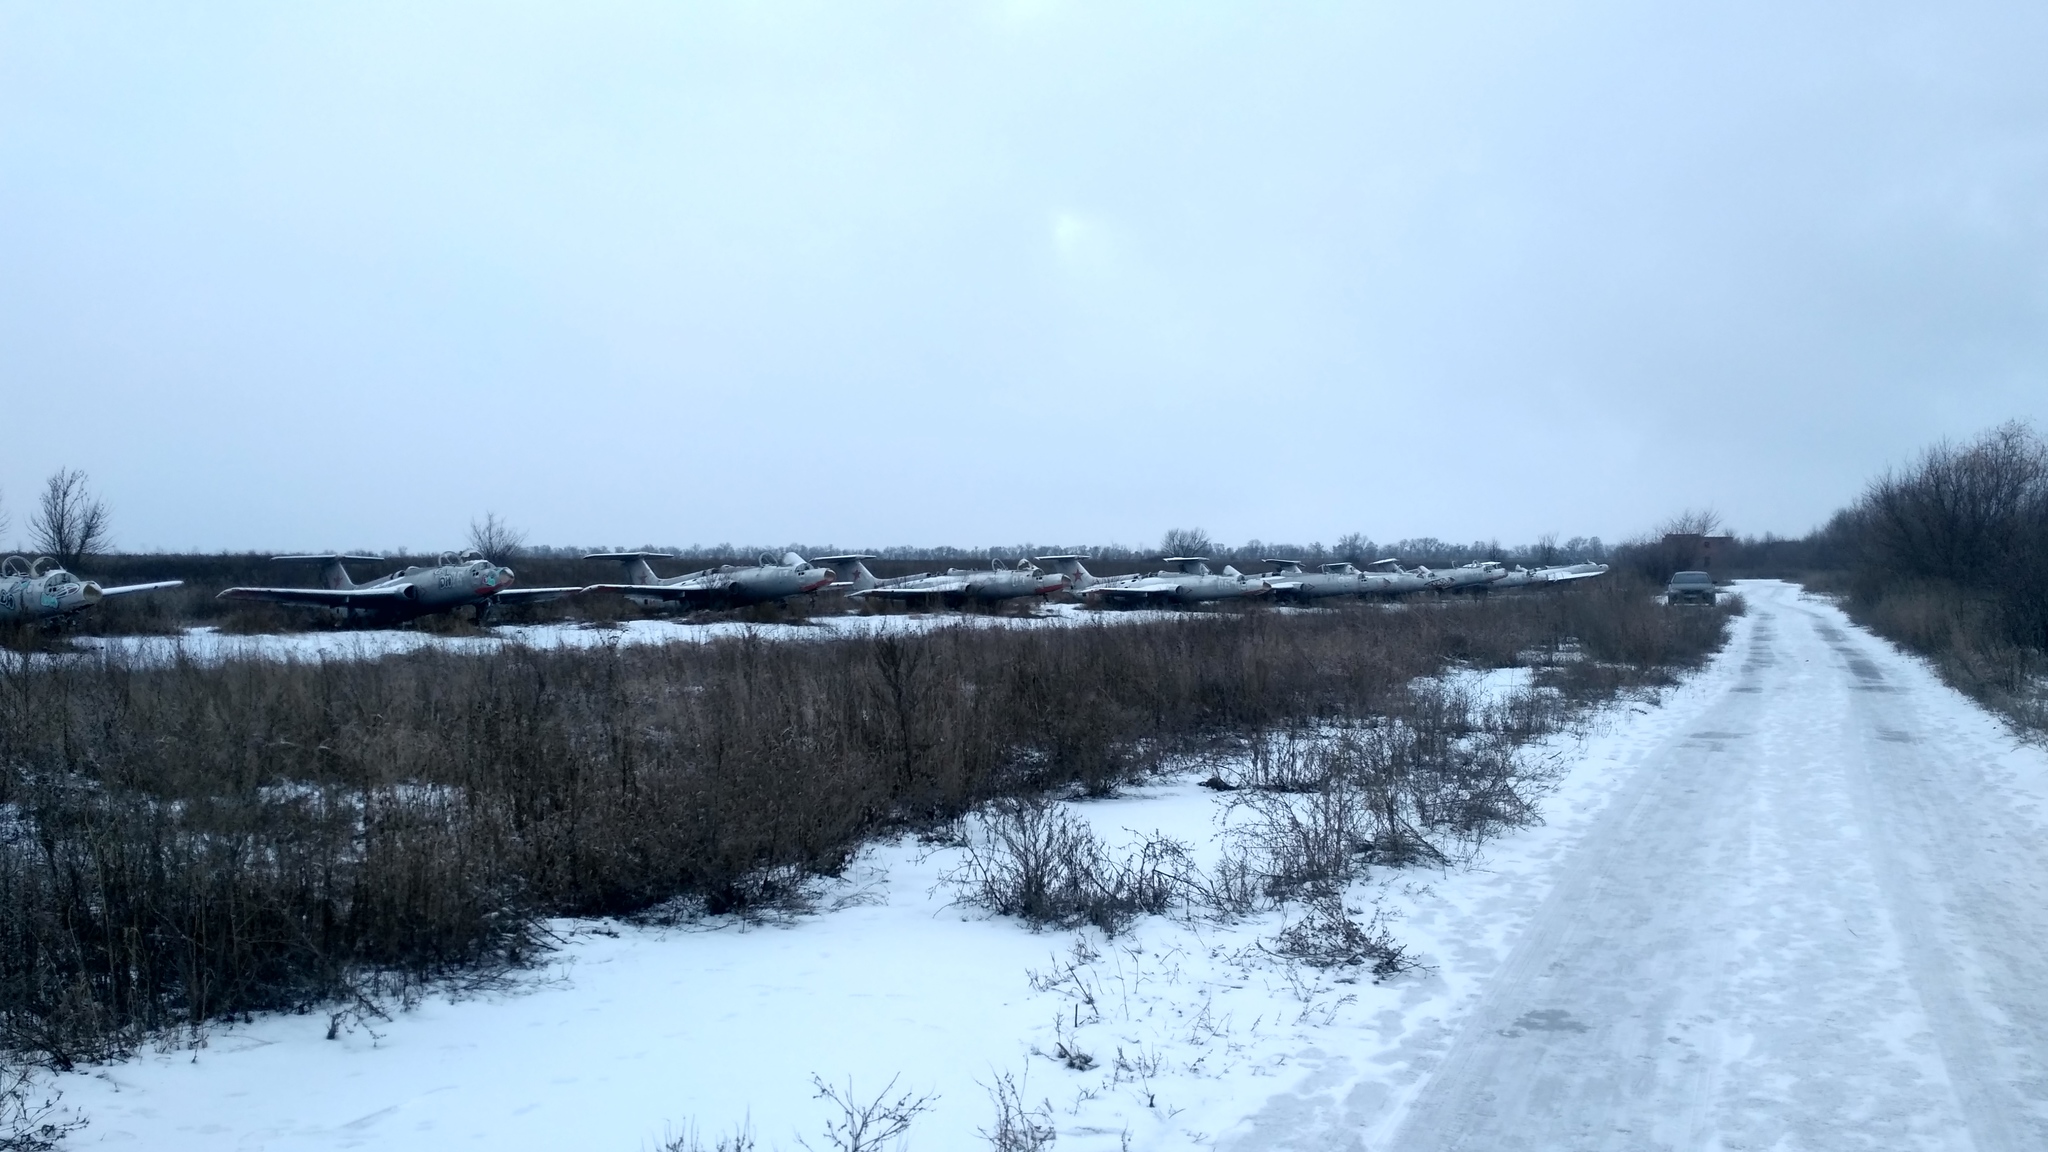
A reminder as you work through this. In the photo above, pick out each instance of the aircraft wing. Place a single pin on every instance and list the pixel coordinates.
(1137, 591)
(127, 589)
(931, 586)
(673, 593)
(1575, 572)
(890, 582)
(328, 597)
(531, 595)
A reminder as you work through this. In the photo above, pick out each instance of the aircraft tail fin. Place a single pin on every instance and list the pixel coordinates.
(1070, 566)
(638, 571)
(332, 572)
(862, 578)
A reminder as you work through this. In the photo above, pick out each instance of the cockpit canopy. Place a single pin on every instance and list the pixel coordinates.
(42, 568)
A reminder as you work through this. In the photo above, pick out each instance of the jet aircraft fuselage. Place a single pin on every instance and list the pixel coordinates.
(726, 586)
(958, 586)
(42, 591)
(1291, 581)
(464, 581)
(1188, 581)
(1463, 578)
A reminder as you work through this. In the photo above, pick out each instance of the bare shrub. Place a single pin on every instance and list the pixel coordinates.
(1306, 841)
(30, 1120)
(1036, 861)
(1019, 1127)
(1427, 782)
(70, 523)
(869, 1126)
(1327, 936)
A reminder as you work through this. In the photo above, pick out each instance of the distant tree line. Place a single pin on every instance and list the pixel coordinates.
(1354, 547)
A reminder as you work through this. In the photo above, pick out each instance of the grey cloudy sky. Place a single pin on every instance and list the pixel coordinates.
(349, 274)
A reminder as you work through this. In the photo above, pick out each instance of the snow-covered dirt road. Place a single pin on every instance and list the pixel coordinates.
(1814, 919)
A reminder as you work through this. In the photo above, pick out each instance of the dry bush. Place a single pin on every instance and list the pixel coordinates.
(1327, 936)
(1019, 1127)
(868, 1126)
(31, 1120)
(1034, 860)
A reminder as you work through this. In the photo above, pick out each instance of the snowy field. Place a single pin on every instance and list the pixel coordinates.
(207, 646)
(1795, 905)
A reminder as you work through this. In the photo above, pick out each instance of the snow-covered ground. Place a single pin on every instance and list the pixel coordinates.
(207, 646)
(1798, 904)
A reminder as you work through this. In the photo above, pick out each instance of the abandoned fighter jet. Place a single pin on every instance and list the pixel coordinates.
(1290, 581)
(43, 591)
(1188, 582)
(1464, 578)
(862, 579)
(957, 586)
(1545, 577)
(455, 581)
(1388, 578)
(1560, 573)
(726, 586)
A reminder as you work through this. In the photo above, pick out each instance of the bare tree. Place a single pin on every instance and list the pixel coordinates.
(495, 538)
(1693, 522)
(1187, 542)
(71, 522)
(6, 521)
(1963, 512)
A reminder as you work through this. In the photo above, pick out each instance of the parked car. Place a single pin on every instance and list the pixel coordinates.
(1690, 588)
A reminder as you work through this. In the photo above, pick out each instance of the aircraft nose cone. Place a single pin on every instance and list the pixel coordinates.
(90, 593)
(504, 576)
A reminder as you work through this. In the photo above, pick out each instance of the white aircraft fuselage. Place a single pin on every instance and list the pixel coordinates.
(43, 591)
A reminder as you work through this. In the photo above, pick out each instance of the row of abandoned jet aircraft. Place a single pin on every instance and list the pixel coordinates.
(43, 590)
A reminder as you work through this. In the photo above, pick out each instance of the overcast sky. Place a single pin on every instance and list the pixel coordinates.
(301, 275)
